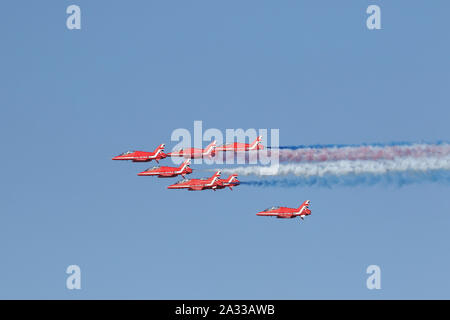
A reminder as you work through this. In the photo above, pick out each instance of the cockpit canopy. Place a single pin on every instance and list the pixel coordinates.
(152, 168)
(182, 181)
(272, 208)
(125, 153)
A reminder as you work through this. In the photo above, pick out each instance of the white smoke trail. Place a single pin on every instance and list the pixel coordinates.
(347, 167)
(322, 153)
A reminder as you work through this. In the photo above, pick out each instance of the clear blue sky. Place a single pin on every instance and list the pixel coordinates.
(137, 70)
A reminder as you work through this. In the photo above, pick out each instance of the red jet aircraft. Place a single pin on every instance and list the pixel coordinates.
(196, 184)
(143, 156)
(195, 152)
(237, 146)
(167, 172)
(287, 213)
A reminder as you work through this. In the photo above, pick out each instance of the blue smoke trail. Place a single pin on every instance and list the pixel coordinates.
(387, 144)
(397, 179)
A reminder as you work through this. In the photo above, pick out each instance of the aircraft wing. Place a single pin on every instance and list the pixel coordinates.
(196, 188)
(269, 214)
(165, 174)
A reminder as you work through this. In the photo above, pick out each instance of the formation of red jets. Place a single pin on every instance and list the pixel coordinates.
(212, 183)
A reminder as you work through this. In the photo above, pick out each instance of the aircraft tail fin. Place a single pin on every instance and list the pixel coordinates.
(160, 147)
(210, 147)
(304, 205)
(255, 143)
(232, 181)
(216, 176)
(185, 163)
